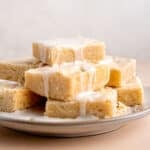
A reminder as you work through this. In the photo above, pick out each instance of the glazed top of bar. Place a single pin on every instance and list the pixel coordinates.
(102, 95)
(121, 61)
(9, 84)
(107, 94)
(68, 42)
(117, 62)
(67, 68)
(21, 61)
(136, 82)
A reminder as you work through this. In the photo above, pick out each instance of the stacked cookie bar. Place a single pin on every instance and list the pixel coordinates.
(77, 79)
(15, 97)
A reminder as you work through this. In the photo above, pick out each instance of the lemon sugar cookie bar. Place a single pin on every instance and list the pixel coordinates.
(122, 109)
(68, 50)
(14, 70)
(14, 97)
(67, 80)
(100, 104)
(132, 93)
(122, 70)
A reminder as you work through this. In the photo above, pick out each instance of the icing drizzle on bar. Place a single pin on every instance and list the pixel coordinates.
(90, 96)
(42, 51)
(76, 44)
(79, 54)
(107, 60)
(8, 84)
(69, 68)
(46, 83)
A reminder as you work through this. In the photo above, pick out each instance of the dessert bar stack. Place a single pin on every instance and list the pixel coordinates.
(14, 70)
(15, 97)
(76, 78)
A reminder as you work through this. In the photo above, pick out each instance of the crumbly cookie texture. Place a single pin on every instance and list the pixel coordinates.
(101, 104)
(68, 50)
(122, 70)
(14, 69)
(14, 97)
(132, 93)
(65, 81)
(122, 109)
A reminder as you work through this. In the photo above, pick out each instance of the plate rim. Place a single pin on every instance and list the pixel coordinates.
(131, 116)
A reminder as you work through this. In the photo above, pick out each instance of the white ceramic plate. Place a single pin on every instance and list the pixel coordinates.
(33, 121)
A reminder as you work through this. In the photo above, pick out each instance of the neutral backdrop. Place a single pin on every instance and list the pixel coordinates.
(123, 24)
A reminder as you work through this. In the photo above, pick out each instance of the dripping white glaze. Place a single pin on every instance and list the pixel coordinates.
(8, 84)
(90, 96)
(46, 72)
(107, 60)
(92, 74)
(84, 97)
(46, 83)
(42, 53)
(82, 82)
(78, 54)
(77, 44)
(83, 108)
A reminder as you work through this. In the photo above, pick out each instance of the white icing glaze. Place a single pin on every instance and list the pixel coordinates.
(83, 97)
(46, 72)
(74, 43)
(88, 66)
(42, 50)
(82, 82)
(83, 108)
(92, 76)
(106, 60)
(46, 83)
(70, 65)
(77, 44)
(57, 56)
(8, 84)
(136, 82)
(68, 68)
(53, 69)
(90, 96)
(78, 54)
(121, 61)
(78, 63)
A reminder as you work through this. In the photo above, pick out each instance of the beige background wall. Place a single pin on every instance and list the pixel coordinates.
(123, 24)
